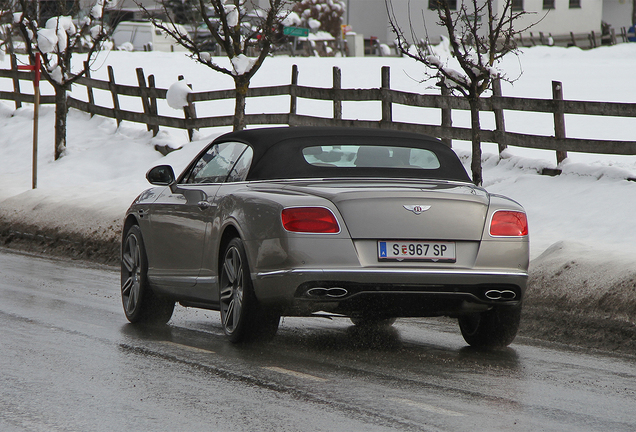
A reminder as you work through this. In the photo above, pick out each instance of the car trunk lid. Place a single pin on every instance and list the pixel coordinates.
(411, 210)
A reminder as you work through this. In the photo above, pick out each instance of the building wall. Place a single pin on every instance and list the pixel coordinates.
(415, 20)
(618, 13)
(562, 19)
(370, 18)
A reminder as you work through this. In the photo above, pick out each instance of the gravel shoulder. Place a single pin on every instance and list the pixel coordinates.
(577, 302)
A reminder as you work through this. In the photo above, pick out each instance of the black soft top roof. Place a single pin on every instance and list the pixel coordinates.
(278, 152)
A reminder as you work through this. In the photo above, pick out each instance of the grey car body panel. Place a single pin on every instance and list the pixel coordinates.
(184, 242)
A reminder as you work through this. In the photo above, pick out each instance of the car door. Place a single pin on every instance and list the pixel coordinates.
(180, 218)
(229, 205)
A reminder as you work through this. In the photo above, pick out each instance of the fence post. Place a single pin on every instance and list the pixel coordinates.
(337, 99)
(89, 89)
(500, 124)
(292, 93)
(190, 112)
(592, 37)
(16, 82)
(385, 94)
(559, 118)
(143, 94)
(113, 92)
(447, 116)
(153, 104)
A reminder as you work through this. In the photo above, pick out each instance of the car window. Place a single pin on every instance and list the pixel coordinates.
(371, 157)
(215, 164)
(242, 166)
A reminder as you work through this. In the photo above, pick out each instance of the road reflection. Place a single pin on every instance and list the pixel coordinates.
(382, 345)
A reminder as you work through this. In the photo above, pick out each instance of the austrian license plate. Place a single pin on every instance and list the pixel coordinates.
(416, 251)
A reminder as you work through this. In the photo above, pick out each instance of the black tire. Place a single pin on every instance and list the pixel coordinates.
(141, 304)
(491, 329)
(372, 321)
(242, 317)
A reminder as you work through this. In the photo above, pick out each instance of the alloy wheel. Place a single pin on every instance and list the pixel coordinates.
(131, 268)
(232, 290)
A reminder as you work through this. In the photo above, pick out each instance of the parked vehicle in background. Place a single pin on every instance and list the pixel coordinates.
(145, 36)
(631, 34)
(368, 224)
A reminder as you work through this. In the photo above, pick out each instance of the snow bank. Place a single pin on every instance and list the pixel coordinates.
(573, 276)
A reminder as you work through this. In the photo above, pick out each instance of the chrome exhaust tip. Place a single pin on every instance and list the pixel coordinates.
(327, 292)
(337, 292)
(500, 295)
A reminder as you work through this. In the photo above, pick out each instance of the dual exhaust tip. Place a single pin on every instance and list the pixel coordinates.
(327, 292)
(500, 295)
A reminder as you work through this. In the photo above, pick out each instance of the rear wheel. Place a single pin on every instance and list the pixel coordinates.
(243, 318)
(141, 304)
(494, 328)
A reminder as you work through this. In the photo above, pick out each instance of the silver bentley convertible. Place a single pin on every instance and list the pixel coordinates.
(367, 224)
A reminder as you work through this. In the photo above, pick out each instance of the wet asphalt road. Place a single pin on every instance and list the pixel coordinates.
(69, 361)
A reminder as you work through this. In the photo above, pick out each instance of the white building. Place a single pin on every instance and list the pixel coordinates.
(556, 17)
(618, 13)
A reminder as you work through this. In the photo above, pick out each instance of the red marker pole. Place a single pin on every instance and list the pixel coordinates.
(36, 114)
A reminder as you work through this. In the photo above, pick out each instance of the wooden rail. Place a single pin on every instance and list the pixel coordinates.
(498, 104)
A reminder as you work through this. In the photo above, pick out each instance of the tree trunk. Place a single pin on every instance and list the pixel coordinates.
(61, 111)
(475, 163)
(241, 84)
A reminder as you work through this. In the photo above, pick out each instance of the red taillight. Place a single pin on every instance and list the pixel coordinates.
(506, 223)
(310, 220)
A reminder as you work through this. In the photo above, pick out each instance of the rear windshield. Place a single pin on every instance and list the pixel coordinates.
(349, 156)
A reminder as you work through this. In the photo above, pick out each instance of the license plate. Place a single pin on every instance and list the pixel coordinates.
(416, 251)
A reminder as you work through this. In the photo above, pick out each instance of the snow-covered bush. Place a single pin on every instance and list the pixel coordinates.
(326, 15)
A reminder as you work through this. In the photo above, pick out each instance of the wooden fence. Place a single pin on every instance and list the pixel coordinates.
(498, 104)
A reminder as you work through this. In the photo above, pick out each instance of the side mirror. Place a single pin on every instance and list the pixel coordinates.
(161, 175)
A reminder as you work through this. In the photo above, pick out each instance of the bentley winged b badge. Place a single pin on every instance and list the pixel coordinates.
(417, 209)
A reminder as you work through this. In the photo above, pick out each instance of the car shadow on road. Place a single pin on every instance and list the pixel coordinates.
(382, 344)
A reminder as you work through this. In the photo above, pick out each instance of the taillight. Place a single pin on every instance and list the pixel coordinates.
(310, 220)
(507, 223)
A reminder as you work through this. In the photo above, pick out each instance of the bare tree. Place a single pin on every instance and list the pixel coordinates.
(480, 33)
(56, 43)
(6, 19)
(240, 28)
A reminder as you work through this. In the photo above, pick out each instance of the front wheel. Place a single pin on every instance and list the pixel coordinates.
(242, 317)
(496, 327)
(141, 304)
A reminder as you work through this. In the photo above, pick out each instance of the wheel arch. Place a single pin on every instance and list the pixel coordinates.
(229, 232)
(128, 222)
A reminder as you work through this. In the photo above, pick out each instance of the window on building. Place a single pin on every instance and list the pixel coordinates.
(575, 4)
(548, 4)
(438, 4)
(517, 5)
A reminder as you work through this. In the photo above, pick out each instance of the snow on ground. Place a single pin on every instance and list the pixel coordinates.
(587, 211)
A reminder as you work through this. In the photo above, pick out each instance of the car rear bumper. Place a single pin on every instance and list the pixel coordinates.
(395, 292)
